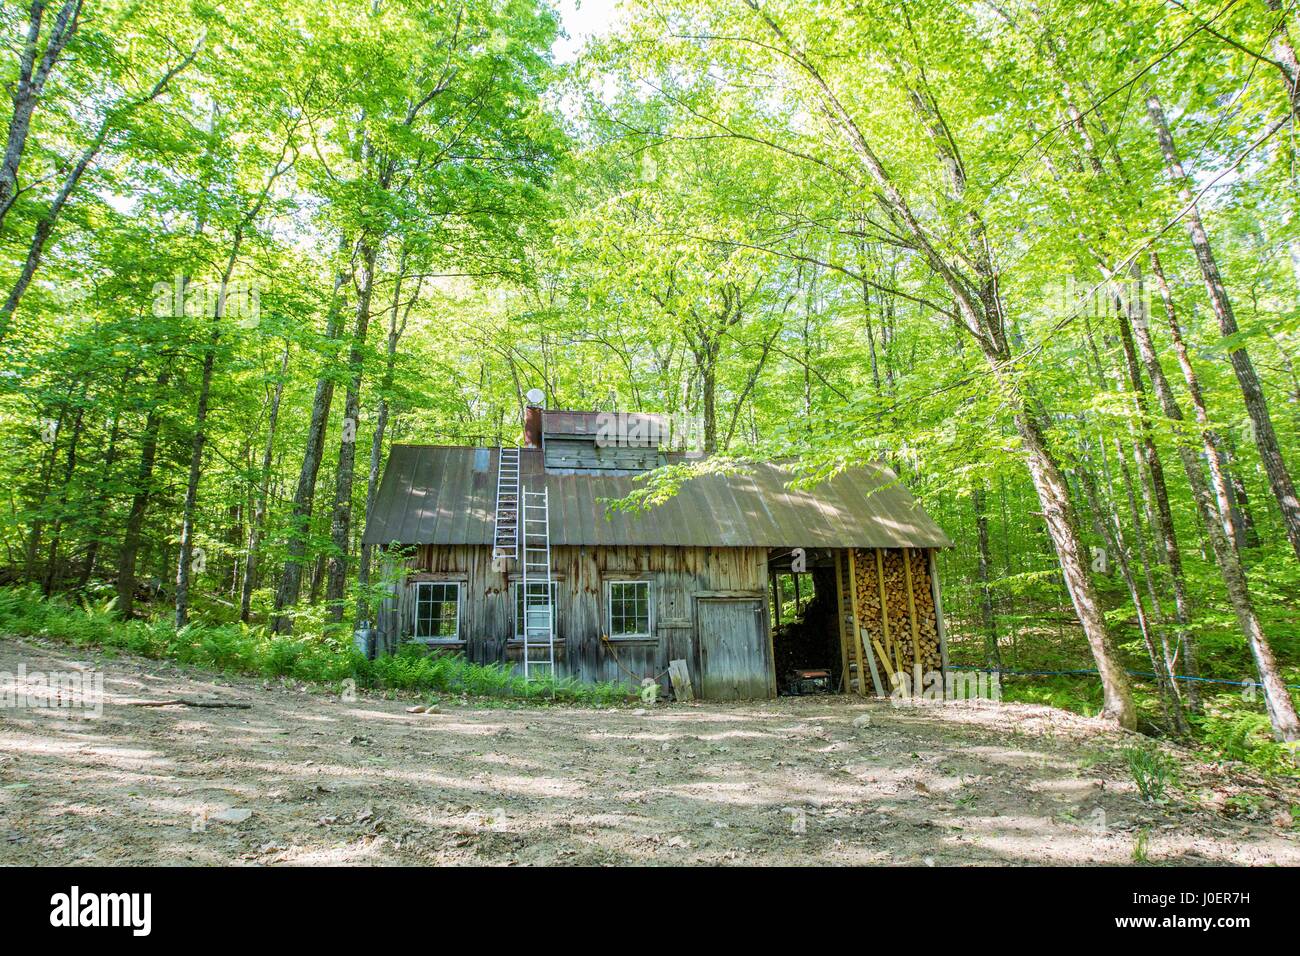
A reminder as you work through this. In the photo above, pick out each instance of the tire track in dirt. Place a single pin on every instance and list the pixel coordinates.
(306, 778)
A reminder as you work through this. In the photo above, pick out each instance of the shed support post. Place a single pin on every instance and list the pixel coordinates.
(940, 628)
(775, 577)
(911, 613)
(897, 663)
(840, 562)
(856, 631)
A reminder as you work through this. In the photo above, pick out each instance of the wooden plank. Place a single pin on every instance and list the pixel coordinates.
(840, 561)
(857, 648)
(770, 633)
(680, 675)
(941, 629)
(884, 616)
(883, 654)
(911, 610)
(776, 601)
(866, 638)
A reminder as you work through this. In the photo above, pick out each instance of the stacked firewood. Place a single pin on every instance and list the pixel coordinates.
(896, 641)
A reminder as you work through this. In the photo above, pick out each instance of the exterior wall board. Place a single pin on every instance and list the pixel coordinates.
(678, 578)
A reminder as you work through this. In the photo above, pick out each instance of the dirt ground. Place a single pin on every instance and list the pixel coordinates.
(307, 778)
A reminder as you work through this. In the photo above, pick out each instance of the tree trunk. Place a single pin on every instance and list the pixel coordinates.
(69, 470)
(25, 92)
(1242, 517)
(105, 477)
(1270, 453)
(1062, 523)
(263, 483)
(304, 495)
(1281, 709)
(395, 330)
(709, 404)
(372, 483)
(184, 564)
(1112, 535)
(1163, 527)
(1214, 454)
(341, 524)
(139, 505)
(992, 655)
(47, 477)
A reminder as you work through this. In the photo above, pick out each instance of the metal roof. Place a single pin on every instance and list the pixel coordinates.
(444, 495)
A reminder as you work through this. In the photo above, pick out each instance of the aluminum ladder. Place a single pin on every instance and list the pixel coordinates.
(505, 535)
(539, 608)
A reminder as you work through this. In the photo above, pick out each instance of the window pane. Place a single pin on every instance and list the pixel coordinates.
(629, 608)
(437, 610)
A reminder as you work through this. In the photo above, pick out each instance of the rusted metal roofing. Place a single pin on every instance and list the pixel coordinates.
(442, 495)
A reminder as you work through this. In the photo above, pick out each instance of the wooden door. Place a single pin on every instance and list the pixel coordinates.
(734, 661)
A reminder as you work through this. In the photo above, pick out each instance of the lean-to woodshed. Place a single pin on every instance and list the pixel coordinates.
(511, 554)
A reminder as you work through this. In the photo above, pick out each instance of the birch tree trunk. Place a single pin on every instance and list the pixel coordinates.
(1163, 526)
(1270, 453)
(979, 308)
(1218, 524)
(25, 92)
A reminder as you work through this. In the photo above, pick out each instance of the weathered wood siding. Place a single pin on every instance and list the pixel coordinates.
(679, 577)
(733, 641)
(584, 454)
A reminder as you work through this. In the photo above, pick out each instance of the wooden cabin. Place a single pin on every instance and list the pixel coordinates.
(619, 595)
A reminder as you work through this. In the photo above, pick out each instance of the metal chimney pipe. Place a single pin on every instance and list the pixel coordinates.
(532, 426)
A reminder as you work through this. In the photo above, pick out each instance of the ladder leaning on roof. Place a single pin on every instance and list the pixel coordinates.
(539, 608)
(505, 535)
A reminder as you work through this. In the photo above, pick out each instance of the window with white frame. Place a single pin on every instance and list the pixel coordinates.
(629, 609)
(437, 611)
(519, 606)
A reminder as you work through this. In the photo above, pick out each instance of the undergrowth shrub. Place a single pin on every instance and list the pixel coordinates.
(315, 658)
(1152, 771)
(1245, 735)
